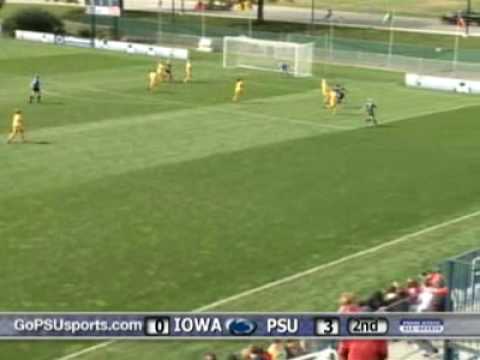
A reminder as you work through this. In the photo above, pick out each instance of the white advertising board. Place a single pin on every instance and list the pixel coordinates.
(121, 46)
(443, 83)
(35, 36)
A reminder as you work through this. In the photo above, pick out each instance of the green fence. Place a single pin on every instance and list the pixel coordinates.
(186, 31)
(150, 29)
(463, 279)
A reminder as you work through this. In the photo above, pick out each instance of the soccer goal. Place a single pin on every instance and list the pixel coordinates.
(281, 56)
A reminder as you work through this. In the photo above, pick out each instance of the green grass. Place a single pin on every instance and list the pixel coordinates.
(130, 201)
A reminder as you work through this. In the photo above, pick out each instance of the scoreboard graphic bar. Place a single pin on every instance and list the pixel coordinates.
(238, 325)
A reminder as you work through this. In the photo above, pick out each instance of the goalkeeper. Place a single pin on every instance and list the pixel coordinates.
(284, 68)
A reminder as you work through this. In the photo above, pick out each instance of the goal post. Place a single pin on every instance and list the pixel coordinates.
(280, 56)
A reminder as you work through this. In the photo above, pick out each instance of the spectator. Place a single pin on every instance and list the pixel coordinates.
(374, 303)
(391, 293)
(435, 279)
(233, 357)
(363, 350)
(402, 302)
(348, 303)
(257, 353)
(277, 350)
(425, 299)
(414, 289)
(426, 304)
(210, 356)
(294, 349)
(245, 354)
(200, 6)
(329, 14)
(439, 301)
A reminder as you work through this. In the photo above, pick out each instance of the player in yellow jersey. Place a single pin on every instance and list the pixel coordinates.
(188, 72)
(161, 71)
(325, 92)
(332, 101)
(239, 90)
(152, 80)
(18, 127)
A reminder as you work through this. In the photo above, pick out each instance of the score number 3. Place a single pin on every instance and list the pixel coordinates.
(327, 326)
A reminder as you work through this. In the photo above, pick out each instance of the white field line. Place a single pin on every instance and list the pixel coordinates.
(285, 119)
(300, 275)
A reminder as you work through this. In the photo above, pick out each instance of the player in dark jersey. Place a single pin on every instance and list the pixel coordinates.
(341, 93)
(371, 108)
(36, 87)
(284, 68)
(169, 71)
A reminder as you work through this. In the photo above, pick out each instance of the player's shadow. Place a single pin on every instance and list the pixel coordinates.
(199, 82)
(47, 103)
(38, 142)
(381, 126)
(55, 103)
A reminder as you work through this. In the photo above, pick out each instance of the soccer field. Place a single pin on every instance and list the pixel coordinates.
(131, 201)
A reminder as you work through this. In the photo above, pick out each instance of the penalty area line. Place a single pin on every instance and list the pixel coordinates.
(298, 275)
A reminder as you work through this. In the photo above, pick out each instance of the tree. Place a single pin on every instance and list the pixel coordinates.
(33, 19)
(260, 8)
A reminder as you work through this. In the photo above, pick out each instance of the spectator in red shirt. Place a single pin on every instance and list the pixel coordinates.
(257, 353)
(440, 296)
(437, 279)
(348, 303)
(434, 279)
(363, 350)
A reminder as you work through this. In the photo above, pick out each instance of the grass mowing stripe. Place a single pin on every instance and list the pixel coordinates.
(299, 275)
(112, 123)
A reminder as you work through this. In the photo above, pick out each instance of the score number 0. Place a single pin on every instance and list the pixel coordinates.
(327, 326)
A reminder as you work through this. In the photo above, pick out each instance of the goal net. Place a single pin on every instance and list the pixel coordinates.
(280, 56)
